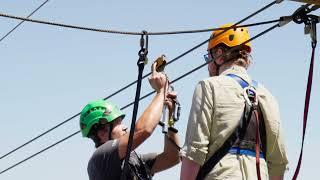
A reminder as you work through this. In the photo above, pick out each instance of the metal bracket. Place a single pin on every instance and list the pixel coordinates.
(317, 2)
(301, 15)
(279, 1)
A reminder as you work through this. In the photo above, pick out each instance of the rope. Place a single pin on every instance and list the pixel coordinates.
(142, 58)
(23, 21)
(306, 110)
(175, 80)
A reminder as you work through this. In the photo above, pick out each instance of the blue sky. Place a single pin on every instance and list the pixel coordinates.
(48, 74)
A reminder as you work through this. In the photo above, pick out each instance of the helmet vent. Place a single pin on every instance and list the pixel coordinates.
(93, 109)
(231, 37)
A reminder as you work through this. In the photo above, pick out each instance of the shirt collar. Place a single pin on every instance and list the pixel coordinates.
(237, 70)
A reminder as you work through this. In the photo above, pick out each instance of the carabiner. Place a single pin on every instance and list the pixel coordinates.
(250, 96)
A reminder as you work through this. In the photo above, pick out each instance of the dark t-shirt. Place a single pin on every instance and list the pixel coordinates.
(105, 163)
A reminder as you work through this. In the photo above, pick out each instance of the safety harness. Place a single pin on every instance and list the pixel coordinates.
(137, 169)
(251, 127)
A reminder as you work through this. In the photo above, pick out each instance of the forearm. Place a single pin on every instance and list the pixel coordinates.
(189, 169)
(171, 148)
(151, 116)
(276, 177)
(169, 157)
(144, 126)
(171, 144)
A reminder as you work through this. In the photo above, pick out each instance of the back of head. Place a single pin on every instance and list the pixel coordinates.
(235, 38)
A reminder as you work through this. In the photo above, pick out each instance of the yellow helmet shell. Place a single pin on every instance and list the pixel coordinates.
(230, 38)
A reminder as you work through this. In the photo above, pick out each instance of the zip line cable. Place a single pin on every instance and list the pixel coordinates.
(24, 20)
(114, 31)
(125, 87)
(175, 80)
(123, 32)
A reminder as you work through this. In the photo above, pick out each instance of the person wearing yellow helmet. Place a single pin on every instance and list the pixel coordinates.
(101, 121)
(234, 128)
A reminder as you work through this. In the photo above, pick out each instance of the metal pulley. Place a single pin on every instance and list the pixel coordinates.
(160, 64)
(317, 2)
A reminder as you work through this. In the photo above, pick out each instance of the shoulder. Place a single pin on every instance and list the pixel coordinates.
(264, 92)
(108, 148)
(105, 159)
(218, 81)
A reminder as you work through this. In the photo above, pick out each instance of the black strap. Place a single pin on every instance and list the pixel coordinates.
(224, 149)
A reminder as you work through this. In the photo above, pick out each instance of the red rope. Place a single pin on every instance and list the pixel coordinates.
(306, 109)
(257, 144)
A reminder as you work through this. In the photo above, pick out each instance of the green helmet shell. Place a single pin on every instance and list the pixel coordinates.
(95, 111)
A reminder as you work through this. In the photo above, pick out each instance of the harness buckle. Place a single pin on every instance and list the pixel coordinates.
(250, 96)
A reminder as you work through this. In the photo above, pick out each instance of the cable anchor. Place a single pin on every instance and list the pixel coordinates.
(143, 52)
(301, 15)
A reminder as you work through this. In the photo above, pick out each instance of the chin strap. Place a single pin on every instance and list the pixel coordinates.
(110, 131)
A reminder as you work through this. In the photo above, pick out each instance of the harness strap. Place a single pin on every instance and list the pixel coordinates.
(244, 84)
(257, 143)
(227, 145)
(248, 152)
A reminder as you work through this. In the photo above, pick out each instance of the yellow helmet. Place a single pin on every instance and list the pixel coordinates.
(230, 38)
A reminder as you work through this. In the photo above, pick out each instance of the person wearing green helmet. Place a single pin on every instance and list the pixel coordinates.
(101, 121)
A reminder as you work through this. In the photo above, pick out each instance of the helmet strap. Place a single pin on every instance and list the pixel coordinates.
(110, 130)
(217, 67)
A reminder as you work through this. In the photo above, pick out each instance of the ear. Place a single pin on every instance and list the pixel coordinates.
(101, 134)
(220, 60)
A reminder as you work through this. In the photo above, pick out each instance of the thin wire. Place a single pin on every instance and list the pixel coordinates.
(39, 152)
(122, 89)
(33, 139)
(175, 80)
(23, 21)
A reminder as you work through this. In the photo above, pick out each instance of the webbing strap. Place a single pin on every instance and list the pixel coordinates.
(248, 152)
(245, 84)
(224, 149)
(242, 82)
(306, 110)
(257, 144)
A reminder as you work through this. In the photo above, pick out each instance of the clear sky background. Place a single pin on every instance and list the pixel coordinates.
(48, 74)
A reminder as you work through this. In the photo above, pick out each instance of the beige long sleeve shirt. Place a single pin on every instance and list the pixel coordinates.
(216, 109)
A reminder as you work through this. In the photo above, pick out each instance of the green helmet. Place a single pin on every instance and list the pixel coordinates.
(95, 111)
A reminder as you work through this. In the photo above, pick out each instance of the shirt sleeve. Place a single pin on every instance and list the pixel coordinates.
(276, 154)
(105, 160)
(199, 123)
(149, 159)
